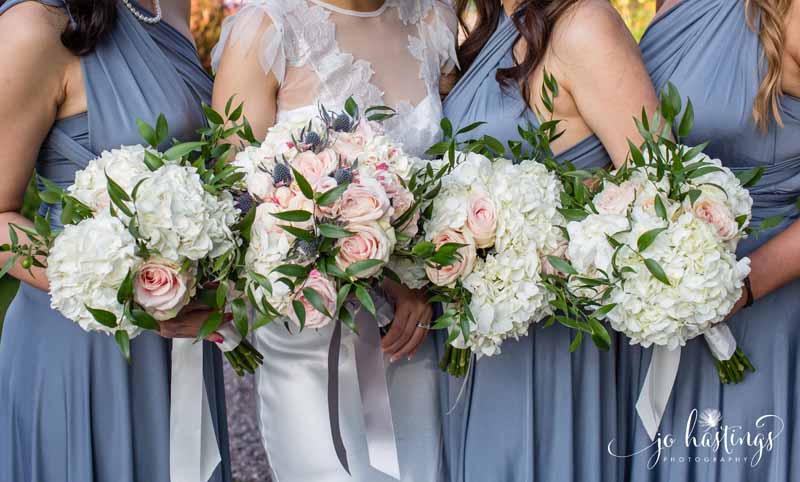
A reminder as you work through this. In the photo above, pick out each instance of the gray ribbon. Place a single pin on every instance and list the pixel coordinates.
(333, 395)
(373, 387)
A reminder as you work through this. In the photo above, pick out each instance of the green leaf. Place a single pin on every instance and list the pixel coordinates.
(600, 335)
(424, 249)
(162, 129)
(687, 121)
(694, 195)
(657, 271)
(221, 296)
(147, 132)
(333, 231)
(303, 184)
(240, 317)
(574, 214)
(211, 325)
(7, 267)
(341, 297)
(300, 311)
(361, 266)
(771, 222)
(648, 238)
(124, 343)
(143, 319)
(179, 151)
(299, 233)
(125, 291)
(293, 216)
(604, 310)
(261, 281)
(50, 197)
(351, 107)
(661, 211)
(105, 318)
(576, 342)
(751, 177)
(561, 265)
(316, 301)
(42, 225)
(212, 115)
(152, 161)
(365, 299)
(447, 128)
(293, 270)
(347, 318)
(329, 197)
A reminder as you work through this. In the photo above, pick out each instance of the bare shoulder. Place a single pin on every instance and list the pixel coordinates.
(589, 27)
(30, 31)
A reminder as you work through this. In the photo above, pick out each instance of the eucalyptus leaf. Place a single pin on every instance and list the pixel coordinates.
(657, 271)
(648, 238)
(124, 343)
(105, 318)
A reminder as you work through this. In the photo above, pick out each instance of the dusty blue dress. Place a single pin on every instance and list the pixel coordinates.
(71, 408)
(707, 50)
(535, 413)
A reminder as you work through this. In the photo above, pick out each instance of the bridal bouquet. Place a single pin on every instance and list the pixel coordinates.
(653, 253)
(331, 208)
(145, 233)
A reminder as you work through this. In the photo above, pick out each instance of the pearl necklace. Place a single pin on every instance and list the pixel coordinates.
(142, 17)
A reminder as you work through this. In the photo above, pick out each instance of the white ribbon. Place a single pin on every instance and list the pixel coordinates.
(193, 450)
(663, 371)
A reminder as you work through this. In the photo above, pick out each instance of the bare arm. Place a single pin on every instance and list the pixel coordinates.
(32, 66)
(240, 73)
(600, 67)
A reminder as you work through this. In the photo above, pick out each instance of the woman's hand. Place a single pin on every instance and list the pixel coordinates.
(411, 323)
(189, 322)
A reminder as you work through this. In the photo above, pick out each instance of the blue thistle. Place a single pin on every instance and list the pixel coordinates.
(244, 202)
(281, 174)
(342, 123)
(343, 176)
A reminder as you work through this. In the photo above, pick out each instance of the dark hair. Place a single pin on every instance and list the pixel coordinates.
(90, 21)
(534, 19)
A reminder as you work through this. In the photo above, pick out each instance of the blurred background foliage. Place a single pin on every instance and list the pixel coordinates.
(206, 23)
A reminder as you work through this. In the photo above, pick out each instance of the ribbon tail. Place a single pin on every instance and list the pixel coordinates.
(333, 396)
(657, 388)
(194, 452)
(721, 341)
(374, 388)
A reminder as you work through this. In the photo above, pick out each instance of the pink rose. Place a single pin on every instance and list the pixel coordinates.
(369, 241)
(323, 185)
(448, 275)
(560, 251)
(283, 196)
(717, 215)
(616, 199)
(351, 144)
(364, 202)
(482, 220)
(326, 290)
(161, 289)
(313, 166)
(402, 201)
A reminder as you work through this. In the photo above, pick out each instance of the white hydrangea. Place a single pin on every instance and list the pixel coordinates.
(257, 163)
(472, 175)
(589, 249)
(527, 198)
(86, 267)
(507, 297)
(179, 219)
(705, 277)
(124, 165)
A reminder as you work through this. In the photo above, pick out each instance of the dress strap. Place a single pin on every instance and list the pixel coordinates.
(69, 148)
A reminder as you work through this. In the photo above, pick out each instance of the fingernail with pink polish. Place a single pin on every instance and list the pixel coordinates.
(216, 338)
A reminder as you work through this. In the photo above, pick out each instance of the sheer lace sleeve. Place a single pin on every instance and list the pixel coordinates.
(441, 31)
(257, 25)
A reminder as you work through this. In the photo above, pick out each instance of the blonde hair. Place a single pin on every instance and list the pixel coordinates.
(771, 33)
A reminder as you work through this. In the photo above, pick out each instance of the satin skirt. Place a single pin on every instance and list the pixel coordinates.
(535, 413)
(293, 412)
(73, 410)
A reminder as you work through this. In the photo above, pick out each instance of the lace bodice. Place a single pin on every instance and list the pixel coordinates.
(322, 54)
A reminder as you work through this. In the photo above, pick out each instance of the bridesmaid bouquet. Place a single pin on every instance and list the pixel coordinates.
(487, 235)
(145, 233)
(653, 253)
(331, 208)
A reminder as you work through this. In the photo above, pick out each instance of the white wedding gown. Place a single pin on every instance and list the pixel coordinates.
(324, 54)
